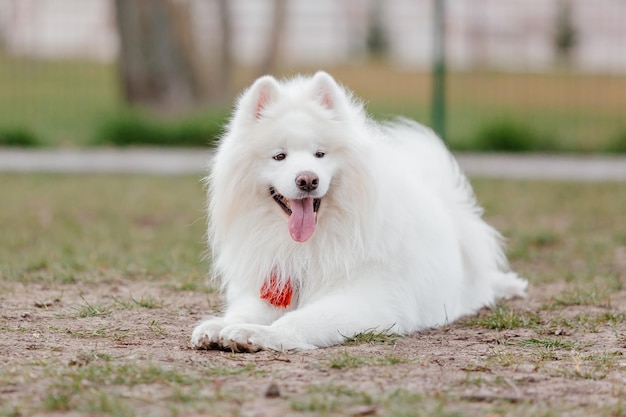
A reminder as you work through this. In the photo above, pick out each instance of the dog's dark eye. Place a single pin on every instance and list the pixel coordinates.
(319, 154)
(279, 156)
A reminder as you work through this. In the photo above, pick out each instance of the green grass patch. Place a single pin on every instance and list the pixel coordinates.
(618, 143)
(198, 282)
(330, 398)
(372, 337)
(92, 310)
(92, 228)
(594, 366)
(127, 128)
(503, 317)
(589, 296)
(220, 371)
(75, 387)
(104, 372)
(552, 344)
(18, 137)
(558, 231)
(131, 302)
(507, 135)
(347, 360)
(157, 329)
(340, 400)
(586, 322)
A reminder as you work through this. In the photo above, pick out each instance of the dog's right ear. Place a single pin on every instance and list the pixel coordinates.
(261, 94)
(329, 94)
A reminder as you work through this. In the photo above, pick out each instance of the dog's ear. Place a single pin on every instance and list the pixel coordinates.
(262, 93)
(328, 92)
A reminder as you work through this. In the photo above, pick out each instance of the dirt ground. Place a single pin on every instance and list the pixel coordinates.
(571, 358)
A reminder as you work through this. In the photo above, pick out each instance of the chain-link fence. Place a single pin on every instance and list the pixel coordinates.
(521, 75)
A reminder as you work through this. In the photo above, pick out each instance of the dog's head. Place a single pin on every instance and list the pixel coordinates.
(296, 134)
(297, 137)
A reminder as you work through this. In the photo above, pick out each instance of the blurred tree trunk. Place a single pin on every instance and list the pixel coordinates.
(222, 92)
(158, 64)
(279, 20)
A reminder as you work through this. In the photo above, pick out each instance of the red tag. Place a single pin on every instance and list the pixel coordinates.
(276, 295)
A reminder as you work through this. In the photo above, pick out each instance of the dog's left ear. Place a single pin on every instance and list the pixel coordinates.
(253, 103)
(328, 92)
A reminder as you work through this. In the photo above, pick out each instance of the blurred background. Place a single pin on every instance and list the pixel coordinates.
(521, 75)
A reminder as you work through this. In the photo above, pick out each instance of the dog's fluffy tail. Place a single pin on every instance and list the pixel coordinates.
(484, 260)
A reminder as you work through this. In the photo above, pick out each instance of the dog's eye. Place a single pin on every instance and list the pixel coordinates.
(319, 154)
(279, 156)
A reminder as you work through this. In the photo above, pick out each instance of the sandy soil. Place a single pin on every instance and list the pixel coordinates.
(469, 366)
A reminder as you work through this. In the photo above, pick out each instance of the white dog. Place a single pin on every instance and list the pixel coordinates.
(324, 224)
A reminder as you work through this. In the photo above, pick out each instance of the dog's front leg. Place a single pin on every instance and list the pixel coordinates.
(246, 309)
(324, 322)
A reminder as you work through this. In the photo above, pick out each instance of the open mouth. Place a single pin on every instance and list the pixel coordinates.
(302, 214)
(284, 204)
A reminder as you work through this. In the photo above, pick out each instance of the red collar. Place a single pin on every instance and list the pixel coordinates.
(275, 293)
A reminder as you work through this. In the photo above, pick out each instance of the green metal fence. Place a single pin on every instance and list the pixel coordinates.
(540, 75)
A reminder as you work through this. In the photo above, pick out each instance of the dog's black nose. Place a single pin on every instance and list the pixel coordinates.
(307, 181)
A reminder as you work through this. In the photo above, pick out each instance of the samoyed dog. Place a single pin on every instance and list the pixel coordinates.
(324, 224)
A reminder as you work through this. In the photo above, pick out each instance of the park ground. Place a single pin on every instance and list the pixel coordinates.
(103, 277)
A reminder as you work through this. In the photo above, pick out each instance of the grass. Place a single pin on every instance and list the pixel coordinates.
(550, 343)
(67, 103)
(112, 273)
(129, 303)
(508, 135)
(573, 236)
(372, 336)
(581, 296)
(74, 389)
(91, 310)
(588, 322)
(346, 360)
(618, 143)
(329, 398)
(18, 137)
(94, 228)
(502, 317)
(132, 128)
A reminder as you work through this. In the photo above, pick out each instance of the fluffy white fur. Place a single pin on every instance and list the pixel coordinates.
(399, 243)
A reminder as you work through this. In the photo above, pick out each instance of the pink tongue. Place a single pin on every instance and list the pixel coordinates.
(302, 219)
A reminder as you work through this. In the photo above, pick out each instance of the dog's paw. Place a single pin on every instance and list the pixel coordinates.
(206, 334)
(245, 338)
(254, 337)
